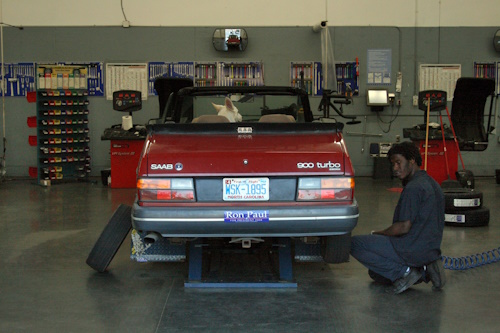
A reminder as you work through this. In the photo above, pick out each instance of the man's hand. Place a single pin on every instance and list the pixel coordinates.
(396, 229)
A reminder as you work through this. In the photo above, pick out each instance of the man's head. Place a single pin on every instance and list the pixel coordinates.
(405, 158)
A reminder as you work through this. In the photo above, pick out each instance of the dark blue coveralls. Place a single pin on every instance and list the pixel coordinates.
(422, 203)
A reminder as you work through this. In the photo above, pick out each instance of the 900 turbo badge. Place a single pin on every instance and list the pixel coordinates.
(332, 166)
(305, 165)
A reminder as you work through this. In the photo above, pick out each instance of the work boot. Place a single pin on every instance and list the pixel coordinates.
(411, 277)
(436, 274)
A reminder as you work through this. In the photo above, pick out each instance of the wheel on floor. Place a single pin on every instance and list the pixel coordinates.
(111, 239)
(467, 218)
(335, 249)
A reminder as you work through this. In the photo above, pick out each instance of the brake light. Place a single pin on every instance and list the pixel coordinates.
(325, 189)
(161, 189)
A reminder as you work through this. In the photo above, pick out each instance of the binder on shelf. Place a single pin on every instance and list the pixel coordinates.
(347, 77)
(168, 69)
(485, 70)
(488, 70)
(205, 74)
(307, 75)
(240, 74)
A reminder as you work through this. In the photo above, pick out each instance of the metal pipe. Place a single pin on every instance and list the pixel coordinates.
(152, 237)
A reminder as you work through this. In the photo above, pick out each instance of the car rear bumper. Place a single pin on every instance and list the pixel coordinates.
(281, 221)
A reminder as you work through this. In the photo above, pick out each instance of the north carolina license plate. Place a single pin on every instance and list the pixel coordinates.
(246, 189)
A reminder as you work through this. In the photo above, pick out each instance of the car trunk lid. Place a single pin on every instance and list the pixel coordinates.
(237, 149)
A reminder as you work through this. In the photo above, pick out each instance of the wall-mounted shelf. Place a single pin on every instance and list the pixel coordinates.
(62, 131)
(307, 75)
(62, 135)
(347, 77)
(488, 70)
(240, 74)
(205, 74)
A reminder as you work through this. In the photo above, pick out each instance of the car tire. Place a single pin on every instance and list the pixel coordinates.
(462, 199)
(465, 178)
(111, 239)
(450, 183)
(336, 249)
(468, 218)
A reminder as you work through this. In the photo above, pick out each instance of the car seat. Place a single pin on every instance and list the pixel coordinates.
(165, 86)
(277, 118)
(210, 119)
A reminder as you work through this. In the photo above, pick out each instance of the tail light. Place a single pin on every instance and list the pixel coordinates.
(163, 189)
(325, 189)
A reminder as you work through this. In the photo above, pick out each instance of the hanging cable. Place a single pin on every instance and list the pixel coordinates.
(12, 26)
(123, 11)
(390, 122)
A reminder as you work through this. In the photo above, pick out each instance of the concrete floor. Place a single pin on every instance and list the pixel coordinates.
(45, 285)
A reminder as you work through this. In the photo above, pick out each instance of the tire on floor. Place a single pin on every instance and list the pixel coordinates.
(450, 183)
(111, 239)
(336, 249)
(465, 178)
(462, 198)
(468, 218)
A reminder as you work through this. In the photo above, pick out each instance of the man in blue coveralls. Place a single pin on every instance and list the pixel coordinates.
(408, 251)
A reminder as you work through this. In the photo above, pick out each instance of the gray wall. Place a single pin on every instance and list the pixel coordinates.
(275, 47)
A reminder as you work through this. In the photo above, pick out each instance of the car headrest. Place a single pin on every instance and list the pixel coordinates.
(210, 118)
(276, 118)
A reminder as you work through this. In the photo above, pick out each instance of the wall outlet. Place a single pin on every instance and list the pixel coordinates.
(415, 100)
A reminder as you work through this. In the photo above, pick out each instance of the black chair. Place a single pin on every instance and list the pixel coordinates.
(165, 86)
(467, 112)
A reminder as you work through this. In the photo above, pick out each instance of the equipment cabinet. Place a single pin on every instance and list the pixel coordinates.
(63, 135)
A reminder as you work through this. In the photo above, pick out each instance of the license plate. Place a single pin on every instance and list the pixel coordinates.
(246, 189)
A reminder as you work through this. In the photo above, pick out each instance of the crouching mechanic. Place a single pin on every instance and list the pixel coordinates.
(408, 251)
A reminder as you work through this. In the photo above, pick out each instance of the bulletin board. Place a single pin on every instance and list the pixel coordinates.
(132, 76)
(379, 64)
(440, 77)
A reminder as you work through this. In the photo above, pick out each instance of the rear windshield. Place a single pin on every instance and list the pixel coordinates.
(249, 107)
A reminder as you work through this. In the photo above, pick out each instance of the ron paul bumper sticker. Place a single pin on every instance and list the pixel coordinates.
(246, 216)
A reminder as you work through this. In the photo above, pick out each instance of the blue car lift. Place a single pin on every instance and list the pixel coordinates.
(164, 250)
(285, 280)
